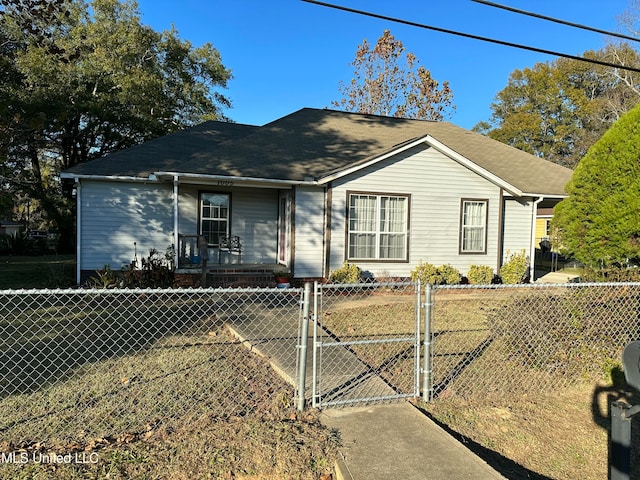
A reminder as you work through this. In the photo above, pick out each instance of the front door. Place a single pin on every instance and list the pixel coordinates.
(284, 227)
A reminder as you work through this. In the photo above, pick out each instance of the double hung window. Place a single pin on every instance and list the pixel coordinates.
(377, 226)
(473, 226)
(214, 216)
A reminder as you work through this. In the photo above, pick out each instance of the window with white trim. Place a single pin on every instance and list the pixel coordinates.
(377, 227)
(473, 226)
(214, 216)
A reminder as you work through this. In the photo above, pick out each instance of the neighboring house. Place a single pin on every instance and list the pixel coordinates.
(316, 188)
(9, 227)
(543, 226)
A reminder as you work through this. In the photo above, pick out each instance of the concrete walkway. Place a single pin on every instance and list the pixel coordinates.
(396, 441)
(379, 442)
(557, 277)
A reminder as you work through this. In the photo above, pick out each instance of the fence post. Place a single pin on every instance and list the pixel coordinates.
(302, 347)
(418, 339)
(427, 390)
(314, 365)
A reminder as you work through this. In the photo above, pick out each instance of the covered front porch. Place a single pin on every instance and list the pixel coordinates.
(231, 233)
(198, 264)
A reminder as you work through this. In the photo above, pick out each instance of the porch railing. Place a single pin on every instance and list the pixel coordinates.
(192, 251)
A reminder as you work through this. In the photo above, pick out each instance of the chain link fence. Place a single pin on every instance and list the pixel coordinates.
(86, 364)
(83, 364)
(367, 345)
(480, 341)
(528, 338)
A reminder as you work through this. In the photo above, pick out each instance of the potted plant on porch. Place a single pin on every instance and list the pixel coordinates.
(282, 278)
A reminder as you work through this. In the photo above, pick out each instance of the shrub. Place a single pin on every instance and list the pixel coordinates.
(105, 278)
(604, 193)
(156, 272)
(480, 274)
(449, 274)
(60, 276)
(428, 273)
(515, 269)
(347, 273)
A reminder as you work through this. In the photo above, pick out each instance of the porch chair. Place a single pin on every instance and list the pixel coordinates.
(229, 244)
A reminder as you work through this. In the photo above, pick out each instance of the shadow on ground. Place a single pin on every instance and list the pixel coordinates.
(503, 465)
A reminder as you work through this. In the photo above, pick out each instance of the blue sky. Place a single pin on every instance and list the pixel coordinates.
(288, 54)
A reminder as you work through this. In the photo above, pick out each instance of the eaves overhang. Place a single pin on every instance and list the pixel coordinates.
(196, 178)
(231, 180)
(112, 178)
(545, 195)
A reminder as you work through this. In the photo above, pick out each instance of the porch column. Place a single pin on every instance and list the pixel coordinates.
(78, 231)
(532, 247)
(175, 221)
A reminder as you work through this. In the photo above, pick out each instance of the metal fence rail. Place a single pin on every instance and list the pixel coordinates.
(366, 343)
(87, 364)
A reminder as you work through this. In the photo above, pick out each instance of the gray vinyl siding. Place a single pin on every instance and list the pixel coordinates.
(114, 215)
(309, 232)
(516, 226)
(254, 218)
(437, 185)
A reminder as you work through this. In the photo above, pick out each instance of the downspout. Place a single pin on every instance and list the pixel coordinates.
(500, 255)
(78, 231)
(532, 251)
(175, 221)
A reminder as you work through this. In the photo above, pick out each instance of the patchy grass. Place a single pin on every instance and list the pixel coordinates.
(561, 435)
(142, 386)
(45, 271)
(187, 407)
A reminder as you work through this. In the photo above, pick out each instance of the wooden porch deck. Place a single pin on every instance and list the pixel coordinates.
(229, 275)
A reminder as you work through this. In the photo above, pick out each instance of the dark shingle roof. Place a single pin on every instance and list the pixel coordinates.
(316, 143)
(168, 153)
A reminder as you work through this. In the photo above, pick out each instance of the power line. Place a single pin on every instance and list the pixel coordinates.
(556, 20)
(474, 37)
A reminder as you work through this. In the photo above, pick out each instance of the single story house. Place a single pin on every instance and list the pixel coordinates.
(314, 189)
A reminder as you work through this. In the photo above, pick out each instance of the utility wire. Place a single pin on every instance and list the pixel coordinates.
(473, 37)
(557, 20)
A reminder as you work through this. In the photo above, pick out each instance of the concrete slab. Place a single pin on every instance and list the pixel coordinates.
(558, 277)
(389, 441)
(379, 442)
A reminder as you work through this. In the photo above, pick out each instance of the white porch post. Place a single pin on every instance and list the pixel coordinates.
(78, 231)
(175, 221)
(532, 247)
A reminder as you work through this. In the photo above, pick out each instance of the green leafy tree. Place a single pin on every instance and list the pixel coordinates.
(387, 81)
(89, 82)
(599, 223)
(557, 110)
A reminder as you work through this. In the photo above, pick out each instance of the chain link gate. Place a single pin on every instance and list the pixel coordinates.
(366, 343)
